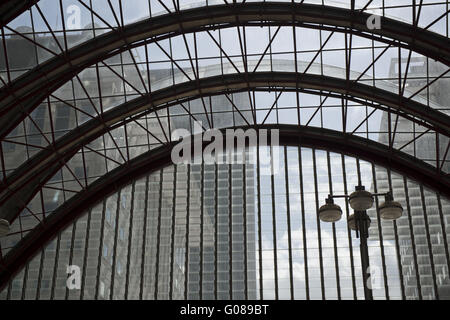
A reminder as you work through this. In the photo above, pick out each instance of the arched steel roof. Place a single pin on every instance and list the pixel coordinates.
(24, 182)
(21, 96)
(10, 9)
(30, 89)
(157, 158)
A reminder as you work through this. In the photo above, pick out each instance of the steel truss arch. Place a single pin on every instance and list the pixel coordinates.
(26, 180)
(42, 166)
(290, 135)
(20, 97)
(11, 9)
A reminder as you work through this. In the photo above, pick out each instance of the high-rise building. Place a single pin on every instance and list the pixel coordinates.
(425, 250)
(200, 225)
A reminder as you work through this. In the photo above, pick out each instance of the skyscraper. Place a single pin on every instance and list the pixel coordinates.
(179, 213)
(422, 248)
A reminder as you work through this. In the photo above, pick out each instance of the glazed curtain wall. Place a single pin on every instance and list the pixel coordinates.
(191, 232)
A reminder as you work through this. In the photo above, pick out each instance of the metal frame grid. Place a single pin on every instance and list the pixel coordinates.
(99, 104)
(291, 255)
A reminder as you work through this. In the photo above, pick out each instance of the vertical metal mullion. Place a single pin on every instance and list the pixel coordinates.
(428, 81)
(113, 268)
(41, 196)
(20, 218)
(74, 101)
(216, 208)
(230, 231)
(220, 51)
(121, 13)
(2, 161)
(202, 186)
(172, 244)
(73, 230)
(55, 267)
(35, 47)
(102, 232)
(158, 236)
(438, 153)
(72, 241)
(126, 140)
(294, 38)
(243, 45)
(130, 238)
(336, 256)
(444, 232)
(172, 70)
(24, 282)
(86, 247)
(430, 247)
(321, 72)
(350, 243)
(25, 135)
(270, 50)
(186, 259)
(8, 294)
(244, 174)
(63, 26)
(50, 119)
(258, 181)
(358, 171)
(92, 17)
(380, 234)
(319, 235)
(302, 202)
(344, 106)
(5, 51)
(144, 238)
(274, 223)
(411, 230)
(402, 285)
(148, 72)
(447, 24)
(41, 266)
(288, 216)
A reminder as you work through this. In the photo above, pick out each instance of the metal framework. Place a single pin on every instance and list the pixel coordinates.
(31, 89)
(158, 158)
(28, 179)
(21, 95)
(10, 9)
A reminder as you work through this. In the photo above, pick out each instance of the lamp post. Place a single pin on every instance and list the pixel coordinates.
(361, 200)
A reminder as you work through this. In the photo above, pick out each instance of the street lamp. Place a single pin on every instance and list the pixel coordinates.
(330, 212)
(361, 200)
(390, 209)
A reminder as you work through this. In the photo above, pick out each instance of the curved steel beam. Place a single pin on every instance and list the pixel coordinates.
(33, 87)
(20, 186)
(11, 9)
(290, 135)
